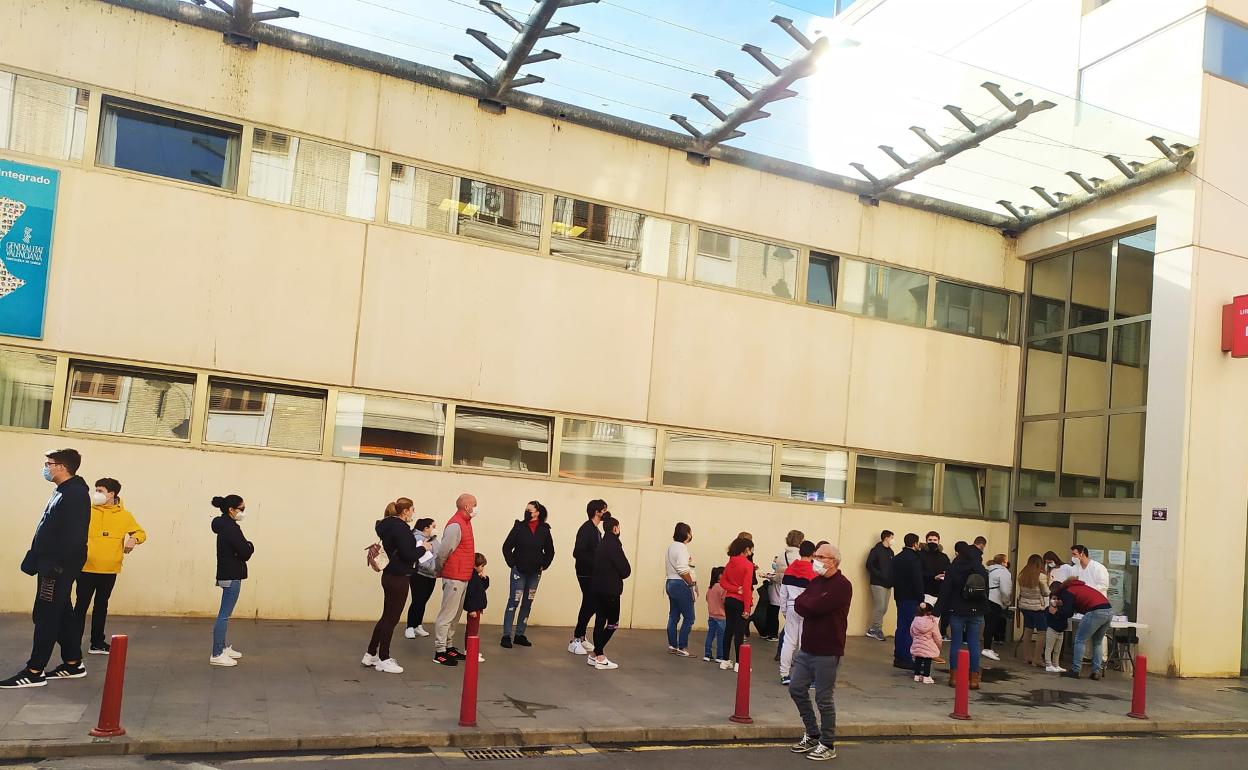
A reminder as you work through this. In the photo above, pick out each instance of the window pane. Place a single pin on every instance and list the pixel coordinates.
(900, 483)
(423, 199)
(1087, 373)
(169, 144)
(884, 292)
(503, 441)
(1130, 375)
(964, 490)
(1134, 291)
(26, 389)
(1125, 467)
(313, 175)
(821, 279)
(605, 235)
(764, 268)
(134, 403)
(817, 475)
(970, 310)
(40, 117)
(1044, 377)
(705, 462)
(449, 204)
(998, 495)
(1050, 282)
(1082, 443)
(594, 450)
(1037, 474)
(254, 414)
(1089, 292)
(393, 429)
(1226, 48)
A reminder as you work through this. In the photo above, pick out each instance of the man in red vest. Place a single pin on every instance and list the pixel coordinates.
(455, 565)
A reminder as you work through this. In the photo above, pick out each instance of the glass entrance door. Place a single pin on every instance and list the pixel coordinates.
(1117, 546)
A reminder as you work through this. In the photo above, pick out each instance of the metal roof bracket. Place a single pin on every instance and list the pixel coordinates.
(243, 19)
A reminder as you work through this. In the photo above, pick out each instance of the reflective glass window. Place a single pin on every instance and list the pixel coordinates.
(261, 415)
(898, 483)
(884, 292)
(606, 235)
(26, 381)
(724, 465)
(814, 475)
(597, 450)
(112, 399)
(505, 441)
(152, 140)
(741, 263)
(398, 430)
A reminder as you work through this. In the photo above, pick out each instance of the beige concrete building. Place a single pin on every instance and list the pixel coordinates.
(322, 286)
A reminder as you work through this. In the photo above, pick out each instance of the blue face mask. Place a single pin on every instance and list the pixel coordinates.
(47, 473)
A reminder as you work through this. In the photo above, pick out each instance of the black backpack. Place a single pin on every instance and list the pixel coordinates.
(975, 589)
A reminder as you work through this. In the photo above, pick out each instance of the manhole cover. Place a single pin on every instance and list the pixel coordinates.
(516, 752)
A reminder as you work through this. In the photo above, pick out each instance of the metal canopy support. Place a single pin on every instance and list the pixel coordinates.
(243, 20)
(1131, 175)
(537, 27)
(975, 135)
(755, 100)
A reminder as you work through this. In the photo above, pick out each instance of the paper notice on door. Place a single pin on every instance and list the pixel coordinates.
(1118, 557)
(1135, 553)
(1097, 555)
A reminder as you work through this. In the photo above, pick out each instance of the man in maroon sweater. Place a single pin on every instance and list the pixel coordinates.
(824, 607)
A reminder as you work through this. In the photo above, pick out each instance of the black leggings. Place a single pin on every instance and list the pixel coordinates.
(99, 586)
(422, 589)
(394, 587)
(922, 666)
(736, 626)
(606, 620)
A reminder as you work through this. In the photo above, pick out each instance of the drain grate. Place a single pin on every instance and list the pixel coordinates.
(516, 752)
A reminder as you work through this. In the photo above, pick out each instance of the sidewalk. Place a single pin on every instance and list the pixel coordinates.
(300, 686)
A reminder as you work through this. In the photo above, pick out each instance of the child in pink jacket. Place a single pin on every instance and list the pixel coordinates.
(925, 631)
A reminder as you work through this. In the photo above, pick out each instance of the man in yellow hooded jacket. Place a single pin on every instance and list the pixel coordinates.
(113, 533)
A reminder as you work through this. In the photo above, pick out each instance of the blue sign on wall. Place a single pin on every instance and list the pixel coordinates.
(27, 211)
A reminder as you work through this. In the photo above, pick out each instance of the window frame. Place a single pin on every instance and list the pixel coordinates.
(73, 366)
(451, 445)
(269, 387)
(110, 100)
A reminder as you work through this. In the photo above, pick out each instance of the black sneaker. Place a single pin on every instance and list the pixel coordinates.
(523, 640)
(442, 658)
(24, 678)
(453, 653)
(67, 671)
(103, 648)
(506, 642)
(1095, 675)
(1070, 674)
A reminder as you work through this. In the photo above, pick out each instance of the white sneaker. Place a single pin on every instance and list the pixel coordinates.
(736, 667)
(480, 658)
(389, 666)
(420, 631)
(588, 645)
(1055, 669)
(928, 680)
(706, 658)
(590, 659)
(725, 665)
(222, 660)
(991, 655)
(369, 660)
(409, 633)
(233, 653)
(576, 648)
(605, 664)
(918, 678)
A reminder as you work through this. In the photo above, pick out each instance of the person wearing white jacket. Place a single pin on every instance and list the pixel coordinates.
(1000, 592)
(796, 577)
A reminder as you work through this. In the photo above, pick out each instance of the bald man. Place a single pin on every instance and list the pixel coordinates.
(824, 607)
(456, 553)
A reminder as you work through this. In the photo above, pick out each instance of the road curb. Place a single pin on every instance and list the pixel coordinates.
(13, 750)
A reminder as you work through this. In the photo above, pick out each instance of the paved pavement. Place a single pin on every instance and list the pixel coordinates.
(300, 687)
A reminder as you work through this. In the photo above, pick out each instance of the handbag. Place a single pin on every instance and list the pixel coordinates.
(376, 557)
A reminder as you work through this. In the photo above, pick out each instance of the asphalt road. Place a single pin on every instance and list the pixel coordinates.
(1209, 752)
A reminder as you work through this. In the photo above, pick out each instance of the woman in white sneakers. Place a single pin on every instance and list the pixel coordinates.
(394, 530)
(233, 551)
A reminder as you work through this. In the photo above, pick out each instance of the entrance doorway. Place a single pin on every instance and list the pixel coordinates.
(1117, 546)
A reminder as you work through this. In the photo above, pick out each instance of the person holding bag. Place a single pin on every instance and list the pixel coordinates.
(394, 531)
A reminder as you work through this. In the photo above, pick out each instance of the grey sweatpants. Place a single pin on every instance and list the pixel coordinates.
(453, 592)
(820, 669)
(879, 605)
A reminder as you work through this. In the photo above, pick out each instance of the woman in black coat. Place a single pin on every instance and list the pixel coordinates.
(394, 530)
(233, 551)
(528, 550)
(611, 568)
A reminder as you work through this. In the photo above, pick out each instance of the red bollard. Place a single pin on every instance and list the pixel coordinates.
(468, 699)
(109, 725)
(962, 689)
(1138, 691)
(742, 713)
(474, 625)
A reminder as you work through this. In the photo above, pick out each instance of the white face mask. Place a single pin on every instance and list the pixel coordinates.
(240, 515)
(98, 498)
(1074, 561)
(820, 567)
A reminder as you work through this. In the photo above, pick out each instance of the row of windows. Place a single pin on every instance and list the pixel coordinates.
(157, 404)
(323, 177)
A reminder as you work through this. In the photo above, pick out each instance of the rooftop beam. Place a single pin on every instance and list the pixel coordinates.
(521, 53)
(243, 19)
(777, 89)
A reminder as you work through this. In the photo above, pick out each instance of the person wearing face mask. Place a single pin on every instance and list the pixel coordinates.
(423, 578)
(394, 532)
(233, 553)
(113, 534)
(57, 553)
(456, 555)
(737, 596)
(529, 551)
(935, 565)
(907, 576)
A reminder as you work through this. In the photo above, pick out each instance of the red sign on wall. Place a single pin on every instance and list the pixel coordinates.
(1235, 327)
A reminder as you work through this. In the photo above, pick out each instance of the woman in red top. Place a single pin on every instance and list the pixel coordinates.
(738, 595)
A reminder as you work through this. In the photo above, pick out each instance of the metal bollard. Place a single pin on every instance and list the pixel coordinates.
(109, 725)
(742, 713)
(1139, 688)
(962, 688)
(468, 699)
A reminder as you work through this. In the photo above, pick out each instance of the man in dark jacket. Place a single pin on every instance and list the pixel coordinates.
(964, 597)
(528, 550)
(56, 557)
(880, 569)
(583, 554)
(907, 574)
(935, 562)
(824, 607)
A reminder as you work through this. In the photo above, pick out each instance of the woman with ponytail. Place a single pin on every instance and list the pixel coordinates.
(233, 551)
(394, 530)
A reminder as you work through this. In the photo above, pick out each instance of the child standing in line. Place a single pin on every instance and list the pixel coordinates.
(797, 576)
(925, 633)
(715, 618)
(474, 598)
(1058, 618)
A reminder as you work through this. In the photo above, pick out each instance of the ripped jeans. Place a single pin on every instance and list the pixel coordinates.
(520, 594)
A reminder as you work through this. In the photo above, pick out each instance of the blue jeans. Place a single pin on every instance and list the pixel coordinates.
(715, 638)
(901, 638)
(1094, 625)
(521, 592)
(970, 629)
(229, 598)
(680, 599)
